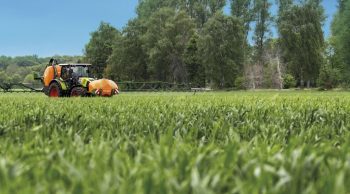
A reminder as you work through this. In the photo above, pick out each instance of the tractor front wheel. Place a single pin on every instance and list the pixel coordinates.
(78, 92)
(55, 90)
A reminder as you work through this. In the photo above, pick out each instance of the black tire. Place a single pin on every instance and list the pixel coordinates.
(55, 90)
(78, 92)
(46, 91)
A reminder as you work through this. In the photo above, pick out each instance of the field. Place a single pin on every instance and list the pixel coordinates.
(178, 143)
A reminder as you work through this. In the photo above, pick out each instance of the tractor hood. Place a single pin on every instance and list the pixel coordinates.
(85, 80)
(103, 87)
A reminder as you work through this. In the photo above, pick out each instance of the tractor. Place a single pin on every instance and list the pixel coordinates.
(74, 80)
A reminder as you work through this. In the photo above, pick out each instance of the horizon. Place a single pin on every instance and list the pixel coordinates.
(67, 34)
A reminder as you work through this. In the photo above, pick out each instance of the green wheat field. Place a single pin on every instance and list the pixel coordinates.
(176, 143)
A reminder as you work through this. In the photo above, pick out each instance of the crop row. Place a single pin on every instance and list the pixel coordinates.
(176, 143)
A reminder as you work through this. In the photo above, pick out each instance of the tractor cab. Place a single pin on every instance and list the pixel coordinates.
(75, 80)
(75, 71)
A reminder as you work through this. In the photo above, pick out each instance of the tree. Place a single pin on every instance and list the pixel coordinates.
(194, 66)
(25, 61)
(329, 77)
(243, 10)
(129, 60)
(199, 10)
(221, 48)
(100, 47)
(262, 18)
(12, 69)
(168, 32)
(274, 68)
(3, 77)
(262, 27)
(288, 81)
(300, 29)
(5, 61)
(342, 4)
(29, 79)
(16, 78)
(340, 40)
(283, 6)
(146, 8)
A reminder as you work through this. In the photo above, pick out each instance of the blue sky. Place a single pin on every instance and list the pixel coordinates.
(49, 27)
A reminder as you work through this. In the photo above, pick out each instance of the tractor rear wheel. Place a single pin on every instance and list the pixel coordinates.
(78, 92)
(55, 90)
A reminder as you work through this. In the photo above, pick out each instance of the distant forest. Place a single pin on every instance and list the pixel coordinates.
(195, 42)
(22, 69)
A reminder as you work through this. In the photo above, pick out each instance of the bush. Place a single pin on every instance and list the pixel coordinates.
(329, 77)
(4, 77)
(288, 81)
(240, 83)
(16, 78)
(29, 78)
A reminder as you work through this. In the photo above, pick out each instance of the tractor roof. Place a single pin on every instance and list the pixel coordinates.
(74, 64)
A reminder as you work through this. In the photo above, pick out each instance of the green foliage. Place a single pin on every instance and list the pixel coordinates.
(5, 61)
(29, 79)
(156, 44)
(199, 10)
(12, 69)
(300, 28)
(27, 61)
(21, 61)
(129, 60)
(268, 76)
(15, 69)
(263, 20)
(288, 81)
(16, 78)
(242, 142)
(283, 5)
(329, 77)
(168, 33)
(194, 66)
(221, 48)
(146, 8)
(64, 59)
(340, 40)
(202, 11)
(240, 83)
(100, 47)
(4, 77)
(243, 9)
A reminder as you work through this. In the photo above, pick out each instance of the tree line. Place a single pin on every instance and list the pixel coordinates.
(195, 42)
(21, 69)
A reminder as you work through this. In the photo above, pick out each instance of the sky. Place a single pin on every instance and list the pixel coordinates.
(62, 27)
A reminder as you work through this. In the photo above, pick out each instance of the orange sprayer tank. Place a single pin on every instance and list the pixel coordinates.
(49, 74)
(106, 86)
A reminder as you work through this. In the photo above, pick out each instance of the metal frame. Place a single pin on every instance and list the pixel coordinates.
(152, 86)
(18, 88)
(123, 86)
